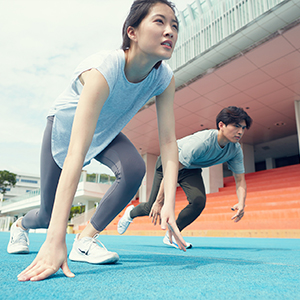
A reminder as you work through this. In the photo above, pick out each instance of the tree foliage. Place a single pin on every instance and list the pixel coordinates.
(76, 210)
(7, 179)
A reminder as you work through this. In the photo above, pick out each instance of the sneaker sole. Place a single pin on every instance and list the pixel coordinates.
(18, 251)
(166, 242)
(122, 231)
(189, 246)
(110, 259)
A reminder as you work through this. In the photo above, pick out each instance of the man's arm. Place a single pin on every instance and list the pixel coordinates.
(241, 191)
(157, 205)
(159, 201)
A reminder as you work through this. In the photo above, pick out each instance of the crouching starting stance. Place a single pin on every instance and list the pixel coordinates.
(199, 150)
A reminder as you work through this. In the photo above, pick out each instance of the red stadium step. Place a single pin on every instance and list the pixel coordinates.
(272, 207)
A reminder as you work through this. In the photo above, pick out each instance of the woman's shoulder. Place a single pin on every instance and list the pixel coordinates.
(164, 68)
(97, 59)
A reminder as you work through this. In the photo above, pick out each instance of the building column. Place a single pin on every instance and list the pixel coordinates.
(249, 162)
(297, 113)
(89, 205)
(213, 178)
(270, 163)
(145, 189)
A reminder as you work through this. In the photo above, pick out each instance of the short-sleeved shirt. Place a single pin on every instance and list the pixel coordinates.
(124, 101)
(201, 150)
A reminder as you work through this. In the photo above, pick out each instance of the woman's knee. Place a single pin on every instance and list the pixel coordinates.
(140, 169)
(136, 171)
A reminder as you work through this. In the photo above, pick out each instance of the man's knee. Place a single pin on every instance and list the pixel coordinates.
(198, 204)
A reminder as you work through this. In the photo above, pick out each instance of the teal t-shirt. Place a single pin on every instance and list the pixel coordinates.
(201, 150)
(124, 101)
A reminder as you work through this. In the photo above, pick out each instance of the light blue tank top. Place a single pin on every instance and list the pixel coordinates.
(124, 101)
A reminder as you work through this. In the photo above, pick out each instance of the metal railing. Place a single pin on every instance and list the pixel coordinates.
(205, 23)
(96, 179)
(27, 195)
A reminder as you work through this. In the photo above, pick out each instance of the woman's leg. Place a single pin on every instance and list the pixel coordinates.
(129, 168)
(143, 209)
(50, 172)
(192, 184)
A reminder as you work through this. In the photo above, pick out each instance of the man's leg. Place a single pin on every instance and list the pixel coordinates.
(192, 184)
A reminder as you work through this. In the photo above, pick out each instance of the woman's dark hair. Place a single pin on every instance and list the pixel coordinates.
(138, 11)
(233, 115)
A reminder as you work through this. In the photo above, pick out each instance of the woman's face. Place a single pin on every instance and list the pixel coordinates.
(157, 34)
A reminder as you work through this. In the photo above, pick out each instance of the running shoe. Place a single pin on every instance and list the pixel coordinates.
(174, 244)
(18, 241)
(125, 221)
(92, 251)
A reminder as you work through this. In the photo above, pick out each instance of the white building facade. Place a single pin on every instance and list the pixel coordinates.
(25, 183)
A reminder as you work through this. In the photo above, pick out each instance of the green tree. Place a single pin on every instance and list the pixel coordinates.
(91, 177)
(7, 179)
(76, 210)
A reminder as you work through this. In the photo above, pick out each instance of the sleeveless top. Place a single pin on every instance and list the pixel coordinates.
(124, 101)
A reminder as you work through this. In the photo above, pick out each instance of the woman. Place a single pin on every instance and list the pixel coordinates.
(86, 122)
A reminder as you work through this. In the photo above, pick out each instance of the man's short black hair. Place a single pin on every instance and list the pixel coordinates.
(233, 115)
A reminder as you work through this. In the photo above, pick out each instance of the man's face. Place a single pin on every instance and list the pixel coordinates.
(233, 132)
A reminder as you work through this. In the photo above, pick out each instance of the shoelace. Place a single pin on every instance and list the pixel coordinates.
(95, 241)
(124, 222)
(21, 236)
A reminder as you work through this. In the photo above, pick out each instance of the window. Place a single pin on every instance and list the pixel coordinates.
(29, 181)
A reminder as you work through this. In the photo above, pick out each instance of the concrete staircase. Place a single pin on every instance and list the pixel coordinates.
(272, 209)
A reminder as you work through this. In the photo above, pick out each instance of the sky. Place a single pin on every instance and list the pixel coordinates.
(41, 43)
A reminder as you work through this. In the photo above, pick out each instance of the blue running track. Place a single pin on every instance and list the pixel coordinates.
(215, 268)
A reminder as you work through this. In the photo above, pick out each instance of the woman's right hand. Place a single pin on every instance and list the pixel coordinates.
(168, 222)
(51, 257)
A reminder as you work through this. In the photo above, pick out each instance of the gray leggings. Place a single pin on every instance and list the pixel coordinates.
(192, 184)
(120, 156)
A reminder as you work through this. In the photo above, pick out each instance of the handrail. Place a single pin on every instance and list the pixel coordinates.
(37, 192)
(27, 195)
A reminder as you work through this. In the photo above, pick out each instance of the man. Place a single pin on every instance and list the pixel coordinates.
(199, 150)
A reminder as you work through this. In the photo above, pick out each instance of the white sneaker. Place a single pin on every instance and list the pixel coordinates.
(18, 241)
(174, 244)
(125, 221)
(92, 251)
